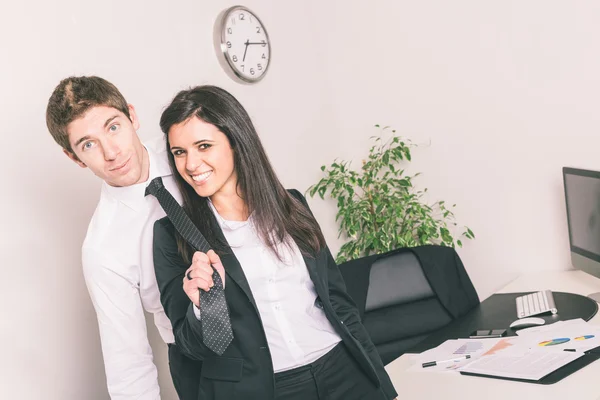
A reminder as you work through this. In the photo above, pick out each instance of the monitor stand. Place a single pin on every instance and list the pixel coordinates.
(595, 296)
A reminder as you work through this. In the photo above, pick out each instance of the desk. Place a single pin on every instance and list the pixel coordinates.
(581, 385)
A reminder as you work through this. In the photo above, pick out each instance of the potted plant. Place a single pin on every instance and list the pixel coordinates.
(379, 209)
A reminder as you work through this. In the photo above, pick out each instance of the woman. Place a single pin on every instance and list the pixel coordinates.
(296, 332)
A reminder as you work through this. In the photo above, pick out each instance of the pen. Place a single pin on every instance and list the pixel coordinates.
(571, 350)
(433, 363)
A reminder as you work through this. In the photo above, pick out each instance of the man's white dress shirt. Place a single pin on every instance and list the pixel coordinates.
(119, 273)
(297, 330)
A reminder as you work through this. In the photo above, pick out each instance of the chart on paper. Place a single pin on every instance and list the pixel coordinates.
(469, 348)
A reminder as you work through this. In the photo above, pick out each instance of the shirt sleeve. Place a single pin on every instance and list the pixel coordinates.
(197, 312)
(130, 370)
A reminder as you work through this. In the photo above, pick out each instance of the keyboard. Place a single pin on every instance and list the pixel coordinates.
(535, 303)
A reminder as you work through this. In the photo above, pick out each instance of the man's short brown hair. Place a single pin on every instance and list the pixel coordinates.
(73, 97)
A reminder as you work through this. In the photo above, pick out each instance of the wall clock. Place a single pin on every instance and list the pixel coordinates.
(242, 44)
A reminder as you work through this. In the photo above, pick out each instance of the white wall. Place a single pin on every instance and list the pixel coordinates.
(506, 91)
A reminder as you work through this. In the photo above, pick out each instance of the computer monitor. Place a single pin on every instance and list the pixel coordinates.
(582, 194)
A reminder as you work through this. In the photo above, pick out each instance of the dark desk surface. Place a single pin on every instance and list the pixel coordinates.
(500, 310)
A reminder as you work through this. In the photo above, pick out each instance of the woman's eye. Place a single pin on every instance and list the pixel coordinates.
(177, 153)
(204, 146)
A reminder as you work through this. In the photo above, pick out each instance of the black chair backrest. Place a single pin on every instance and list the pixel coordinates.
(400, 306)
(396, 280)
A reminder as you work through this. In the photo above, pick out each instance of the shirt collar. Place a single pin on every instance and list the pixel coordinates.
(133, 196)
(226, 224)
(237, 233)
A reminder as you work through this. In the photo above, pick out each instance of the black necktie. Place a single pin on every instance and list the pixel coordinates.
(214, 314)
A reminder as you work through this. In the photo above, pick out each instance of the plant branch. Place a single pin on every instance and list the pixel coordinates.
(389, 211)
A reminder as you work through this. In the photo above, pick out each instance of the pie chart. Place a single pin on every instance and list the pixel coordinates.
(554, 342)
(584, 337)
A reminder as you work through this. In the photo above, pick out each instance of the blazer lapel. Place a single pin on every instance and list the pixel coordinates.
(319, 277)
(232, 266)
(234, 270)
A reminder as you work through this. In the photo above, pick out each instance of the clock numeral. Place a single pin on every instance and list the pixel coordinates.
(251, 71)
(234, 58)
(229, 31)
(232, 20)
(242, 17)
(242, 67)
(228, 45)
(263, 43)
(259, 66)
(258, 29)
(263, 56)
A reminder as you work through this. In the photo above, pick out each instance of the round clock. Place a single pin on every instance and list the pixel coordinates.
(242, 44)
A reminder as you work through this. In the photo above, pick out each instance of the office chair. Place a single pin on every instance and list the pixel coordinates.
(408, 293)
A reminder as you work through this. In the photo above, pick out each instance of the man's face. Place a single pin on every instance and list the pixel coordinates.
(105, 141)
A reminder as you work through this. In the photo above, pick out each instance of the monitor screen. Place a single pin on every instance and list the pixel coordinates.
(582, 193)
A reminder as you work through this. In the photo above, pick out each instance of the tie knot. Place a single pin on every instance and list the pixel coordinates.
(155, 185)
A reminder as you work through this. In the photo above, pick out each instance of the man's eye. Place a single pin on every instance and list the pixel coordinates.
(88, 145)
(113, 128)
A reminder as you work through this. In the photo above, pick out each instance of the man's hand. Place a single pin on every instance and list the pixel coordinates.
(199, 275)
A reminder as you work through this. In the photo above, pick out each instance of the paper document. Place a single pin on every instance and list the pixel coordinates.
(453, 349)
(533, 366)
(574, 334)
(534, 354)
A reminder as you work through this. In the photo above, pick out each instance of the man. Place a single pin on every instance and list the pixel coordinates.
(90, 119)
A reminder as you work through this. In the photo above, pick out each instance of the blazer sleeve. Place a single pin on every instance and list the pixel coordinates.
(170, 270)
(348, 312)
(346, 309)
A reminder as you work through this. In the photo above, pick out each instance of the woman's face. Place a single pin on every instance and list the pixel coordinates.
(203, 157)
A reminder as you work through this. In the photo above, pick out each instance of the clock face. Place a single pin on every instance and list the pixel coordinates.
(245, 44)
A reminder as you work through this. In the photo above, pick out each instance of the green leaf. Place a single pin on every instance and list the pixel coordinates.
(322, 191)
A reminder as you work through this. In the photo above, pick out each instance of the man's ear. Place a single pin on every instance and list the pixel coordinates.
(75, 159)
(133, 116)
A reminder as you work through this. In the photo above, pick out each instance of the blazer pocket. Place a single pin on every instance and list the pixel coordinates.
(223, 369)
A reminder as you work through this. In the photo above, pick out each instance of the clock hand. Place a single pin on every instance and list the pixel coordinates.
(247, 43)
(263, 43)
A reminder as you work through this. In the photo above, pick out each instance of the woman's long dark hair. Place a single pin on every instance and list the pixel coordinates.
(276, 214)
